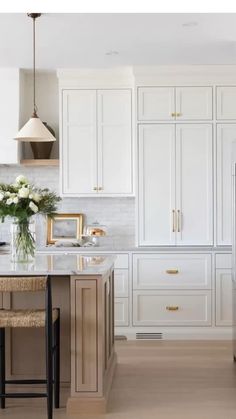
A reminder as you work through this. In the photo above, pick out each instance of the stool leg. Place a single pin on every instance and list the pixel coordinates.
(2, 366)
(49, 372)
(57, 362)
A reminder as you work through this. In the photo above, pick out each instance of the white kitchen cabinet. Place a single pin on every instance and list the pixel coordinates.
(114, 142)
(121, 282)
(156, 103)
(226, 135)
(194, 184)
(171, 271)
(79, 144)
(156, 184)
(193, 103)
(10, 80)
(172, 308)
(223, 297)
(96, 150)
(226, 102)
(121, 312)
(174, 103)
(175, 184)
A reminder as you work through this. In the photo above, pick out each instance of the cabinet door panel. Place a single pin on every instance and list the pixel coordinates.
(194, 103)
(226, 135)
(194, 195)
(224, 297)
(114, 142)
(121, 312)
(226, 100)
(156, 184)
(79, 149)
(156, 103)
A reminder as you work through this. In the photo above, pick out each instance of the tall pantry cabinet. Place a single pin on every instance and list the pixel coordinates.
(175, 166)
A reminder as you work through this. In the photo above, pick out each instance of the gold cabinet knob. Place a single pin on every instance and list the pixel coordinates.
(100, 188)
(173, 114)
(172, 271)
(172, 308)
(95, 188)
(178, 114)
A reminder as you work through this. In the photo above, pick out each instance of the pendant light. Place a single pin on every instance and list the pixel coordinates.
(34, 130)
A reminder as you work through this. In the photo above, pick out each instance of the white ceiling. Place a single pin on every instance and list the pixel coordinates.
(75, 40)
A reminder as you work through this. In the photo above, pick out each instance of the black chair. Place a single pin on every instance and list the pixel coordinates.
(50, 320)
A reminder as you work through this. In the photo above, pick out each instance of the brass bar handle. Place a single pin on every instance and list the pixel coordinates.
(178, 221)
(172, 271)
(172, 308)
(173, 221)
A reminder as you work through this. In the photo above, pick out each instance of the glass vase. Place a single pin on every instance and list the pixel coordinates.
(23, 241)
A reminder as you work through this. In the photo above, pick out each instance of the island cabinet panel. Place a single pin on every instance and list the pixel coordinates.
(92, 336)
(85, 334)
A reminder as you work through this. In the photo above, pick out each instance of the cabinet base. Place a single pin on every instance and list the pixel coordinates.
(95, 404)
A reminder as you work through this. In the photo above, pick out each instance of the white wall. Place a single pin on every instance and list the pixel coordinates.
(47, 102)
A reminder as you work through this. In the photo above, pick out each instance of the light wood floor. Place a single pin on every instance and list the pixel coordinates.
(163, 380)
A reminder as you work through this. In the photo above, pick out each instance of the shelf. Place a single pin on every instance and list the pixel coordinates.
(40, 162)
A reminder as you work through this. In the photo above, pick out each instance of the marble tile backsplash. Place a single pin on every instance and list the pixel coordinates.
(118, 214)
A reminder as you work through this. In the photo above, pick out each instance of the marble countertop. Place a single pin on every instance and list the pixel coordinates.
(61, 264)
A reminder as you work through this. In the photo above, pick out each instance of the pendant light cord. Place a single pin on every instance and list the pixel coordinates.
(34, 95)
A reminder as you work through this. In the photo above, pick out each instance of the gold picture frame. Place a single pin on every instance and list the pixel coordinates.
(66, 227)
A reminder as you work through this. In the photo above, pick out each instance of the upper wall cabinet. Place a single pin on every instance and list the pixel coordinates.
(96, 149)
(9, 115)
(174, 103)
(226, 102)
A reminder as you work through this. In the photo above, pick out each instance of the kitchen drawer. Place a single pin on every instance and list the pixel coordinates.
(121, 282)
(122, 261)
(121, 311)
(172, 308)
(171, 271)
(223, 260)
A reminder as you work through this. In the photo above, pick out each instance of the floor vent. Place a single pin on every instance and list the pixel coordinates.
(120, 337)
(149, 336)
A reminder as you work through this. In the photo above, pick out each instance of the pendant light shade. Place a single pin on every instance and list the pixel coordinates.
(34, 130)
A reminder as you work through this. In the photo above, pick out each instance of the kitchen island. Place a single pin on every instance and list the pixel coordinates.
(91, 310)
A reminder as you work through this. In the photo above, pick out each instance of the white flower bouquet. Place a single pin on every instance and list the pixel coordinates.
(21, 200)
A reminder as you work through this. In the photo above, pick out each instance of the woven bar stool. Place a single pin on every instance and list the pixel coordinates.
(50, 320)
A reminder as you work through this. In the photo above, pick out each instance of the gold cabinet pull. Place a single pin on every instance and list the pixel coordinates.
(172, 308)
(173, 114)
(173, 221)
(178, 221)
(100, 188)
(172, 271)
(95, 188)
(179, 114)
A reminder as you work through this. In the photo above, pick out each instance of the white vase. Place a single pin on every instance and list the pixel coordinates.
(23, 240)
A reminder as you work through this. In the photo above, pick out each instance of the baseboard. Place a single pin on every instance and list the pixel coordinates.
(179, 333)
